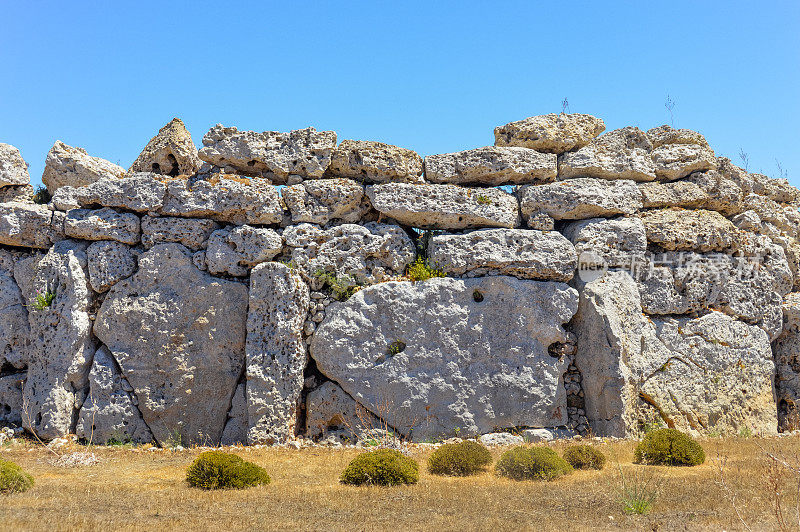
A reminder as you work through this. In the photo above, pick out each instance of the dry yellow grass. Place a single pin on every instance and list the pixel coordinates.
(137, 490)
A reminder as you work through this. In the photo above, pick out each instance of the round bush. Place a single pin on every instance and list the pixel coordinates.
(214, 470)
(668, 447)
(532, 463)
(383, 467)
(459, 459)
(584, 457)
(13, 479)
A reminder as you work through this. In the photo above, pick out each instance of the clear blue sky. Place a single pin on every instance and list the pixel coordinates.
(432, 76)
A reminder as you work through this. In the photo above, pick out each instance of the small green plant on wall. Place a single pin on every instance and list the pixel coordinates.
(43, 300)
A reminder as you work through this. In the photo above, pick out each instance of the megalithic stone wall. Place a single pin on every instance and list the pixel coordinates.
(273, 284)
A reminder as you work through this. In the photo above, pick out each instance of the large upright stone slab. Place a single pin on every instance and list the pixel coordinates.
(619, 154)
(14, 330)
(276, 354)
(375, 162)
(178, 335)
(445, 206)
(61, 345)
(522, 253)
(30, 225)
(66, 166)
(553, 133)
(435, 358)
(13, 169)
(576, 199)
(787, 365)
(492, 165)
(171, 152)
(304, 152)
(11, 410)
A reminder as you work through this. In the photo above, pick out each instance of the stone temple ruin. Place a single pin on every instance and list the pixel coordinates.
(263, 288)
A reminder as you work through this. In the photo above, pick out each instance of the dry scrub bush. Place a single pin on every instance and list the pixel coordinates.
(532, 463)
(584, 457)
(459, 459)
(669, 447)
(384, 467)
(13, 479)
(218, 470)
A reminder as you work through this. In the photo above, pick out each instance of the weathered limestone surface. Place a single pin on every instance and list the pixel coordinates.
(109, 263)
(226, 198)
(110, 412)
(375, 162)
(368, 253)
(580, 198)
(619, 154)
(329, 408)
(171, 152)
(16, 194)
(235, 251)
(445, 206)
(185, 363)
(235, 431)
(698, 230)
(475, 378)
(103, 224)
(320, 201)
(616, 241)
(276, 353)
(787, 365)
(13, 169)
(550, 133)
(30, 225)
(700, 190)
(66, 166)
(61, 346)
(304, 152)
(139, 192)
(667, 135)
(14, 330)
(674, 161)
(190, 232)
(492, 165)
(11, 398)
(522, 253)
(694, 374)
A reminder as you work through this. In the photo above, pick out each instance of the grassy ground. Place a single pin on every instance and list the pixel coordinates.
(133, 489)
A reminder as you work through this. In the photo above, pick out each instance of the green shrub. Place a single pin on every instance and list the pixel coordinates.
(420, 270)
(459, 459)
(342, 286)
(384, 467)
(668, 447)
(532, 463)
(13, 479)
(584, 457)
(41, 196)
(218, 470)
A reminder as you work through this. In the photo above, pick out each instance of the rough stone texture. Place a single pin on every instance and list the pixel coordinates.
(11, 398)
(704, 374)
(329, 408)
(13, 169)
(16, 194)
(619, 154)
(446, 207)
(493, 166)
(787, 365)
(185, 363)
(190, 232)
(235, 432)
(522, 253)
(109, 263)
(550, 133)
(103, 224)
(234, 251)
(701, 190)
(540, 221)
(665, 134)
(30, 225)
(674, 161)
(110, 412)
(325, 200)
(368, 253)
(617, 242)
(698, 230)
(375, 162)
(305, 152)
(14, 330)
(73, 167)
(61, 346)
(778, 190)
(475, 378)
(65, 199)
(226, 198)
(138, 192)
(171, 152)
(276, 354)
(497, 439)
(580, 198)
